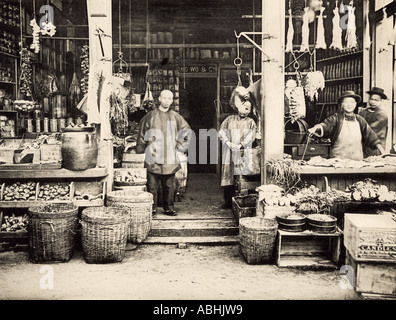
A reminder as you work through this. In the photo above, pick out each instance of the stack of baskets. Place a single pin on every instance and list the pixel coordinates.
(139, 207)
(257, 237)
(104, 234)
(52, 229)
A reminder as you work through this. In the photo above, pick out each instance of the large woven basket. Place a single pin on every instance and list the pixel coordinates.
(104, 234)
(140, 206)
(52, 229)
(257, 239)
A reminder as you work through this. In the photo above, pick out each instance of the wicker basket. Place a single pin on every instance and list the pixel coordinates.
(104, 234)
(139, 206)
(52, 229)
(257, 239)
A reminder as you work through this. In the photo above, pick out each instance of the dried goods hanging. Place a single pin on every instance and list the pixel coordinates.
(25, 80)
(290, 32)
(305, 31)
(85, 68)
(321, 42)
(36, 36)
(313, 82)
(118, 115)
(383, 43)
(366, 37)
(351, 28)
(337, 31)
(148, 100)
(74, 90)
(295, 98)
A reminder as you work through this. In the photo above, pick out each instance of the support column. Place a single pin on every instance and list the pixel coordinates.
(100, 17)
(272, 82)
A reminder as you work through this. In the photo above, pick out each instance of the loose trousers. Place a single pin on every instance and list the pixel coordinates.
(168, 189)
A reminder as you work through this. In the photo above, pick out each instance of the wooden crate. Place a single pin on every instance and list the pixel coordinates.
(133, 160)
(370, 237)
(244, 206)
(135, 177)
(375, 279)
(308, 249)
(51, 152)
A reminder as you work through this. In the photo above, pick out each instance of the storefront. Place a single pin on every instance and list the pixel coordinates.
(75, 90)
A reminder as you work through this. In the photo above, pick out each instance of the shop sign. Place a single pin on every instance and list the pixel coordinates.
(194, 69)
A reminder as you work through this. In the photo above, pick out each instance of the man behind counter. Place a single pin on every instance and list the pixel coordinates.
(348, 132)
(376, 118)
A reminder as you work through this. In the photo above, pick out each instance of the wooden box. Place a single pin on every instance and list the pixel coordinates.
(51, 152)
(370, 237)
(7, 149)
(130, 177)
(133, 160)
(244, 206)
(308, 249)
(373, 278)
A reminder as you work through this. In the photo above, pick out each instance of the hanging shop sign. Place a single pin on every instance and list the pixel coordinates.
(198, 69)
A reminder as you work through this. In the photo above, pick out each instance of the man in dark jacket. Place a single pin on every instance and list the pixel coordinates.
(163, 134)
(348, 131)
(376, 117)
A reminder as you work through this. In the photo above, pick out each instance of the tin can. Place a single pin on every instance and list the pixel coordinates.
(61, 123)
(54, 125)
(45, 124)
(29, 127)
(38, 125)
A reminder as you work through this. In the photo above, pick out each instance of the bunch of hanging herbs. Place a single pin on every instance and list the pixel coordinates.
(118, 115)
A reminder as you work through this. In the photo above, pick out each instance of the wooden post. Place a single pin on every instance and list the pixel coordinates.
(100, 17)
(272, 82)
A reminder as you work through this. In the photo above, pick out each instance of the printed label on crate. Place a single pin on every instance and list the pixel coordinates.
(198, 69)
(377, 244)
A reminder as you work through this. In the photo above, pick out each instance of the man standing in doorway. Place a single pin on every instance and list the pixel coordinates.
(163, 133)
(376, 117)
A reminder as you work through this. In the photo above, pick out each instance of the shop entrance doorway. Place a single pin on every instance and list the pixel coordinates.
(202, 93)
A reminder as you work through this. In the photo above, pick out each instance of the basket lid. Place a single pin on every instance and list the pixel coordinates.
(130, 196)
(54, 210)
(105, 215)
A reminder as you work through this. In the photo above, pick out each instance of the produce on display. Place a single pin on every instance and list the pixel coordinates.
(273, 195)
(321, 217)
(370, 190)
(51, 192)
(312, 83)
(284, 172)
(13, 223)
(20, 191)
(295, 99)
(24, 105)
(337, 31)
(373, 162)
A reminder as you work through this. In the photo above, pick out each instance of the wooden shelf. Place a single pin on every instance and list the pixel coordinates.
(28, 204)
(342, 56)
(8, 54)
(8, 82)
(13, 234)
(54, 174)
(310, 233)
(311, 170)
(187, 45)
(345, 79)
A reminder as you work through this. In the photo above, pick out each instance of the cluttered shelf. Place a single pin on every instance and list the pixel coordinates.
(316, 170)
(344, 79)
(28, 204)
(339, 57)
(53, 174)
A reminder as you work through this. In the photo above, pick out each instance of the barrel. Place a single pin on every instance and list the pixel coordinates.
(293, 222)
(52, 229)
(79, 148)
(296, 134)
(139, 206)
(322, 223)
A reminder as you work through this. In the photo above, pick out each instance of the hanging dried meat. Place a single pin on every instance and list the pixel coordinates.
(295, 99)
(148, 100)
(26, 83)
(313, 82)
(290, 33)
(305, 31)
(383, 43)
(118, 115)
(321, 41)
(351, 29)
(366, 37)
(337, 31)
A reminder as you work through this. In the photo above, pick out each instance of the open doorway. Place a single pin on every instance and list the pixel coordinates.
(202, 93)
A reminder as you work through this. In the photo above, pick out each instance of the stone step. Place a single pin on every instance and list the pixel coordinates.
(224, 240)
(194, 228)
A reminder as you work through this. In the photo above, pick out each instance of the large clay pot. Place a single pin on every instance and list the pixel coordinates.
(79, 148)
